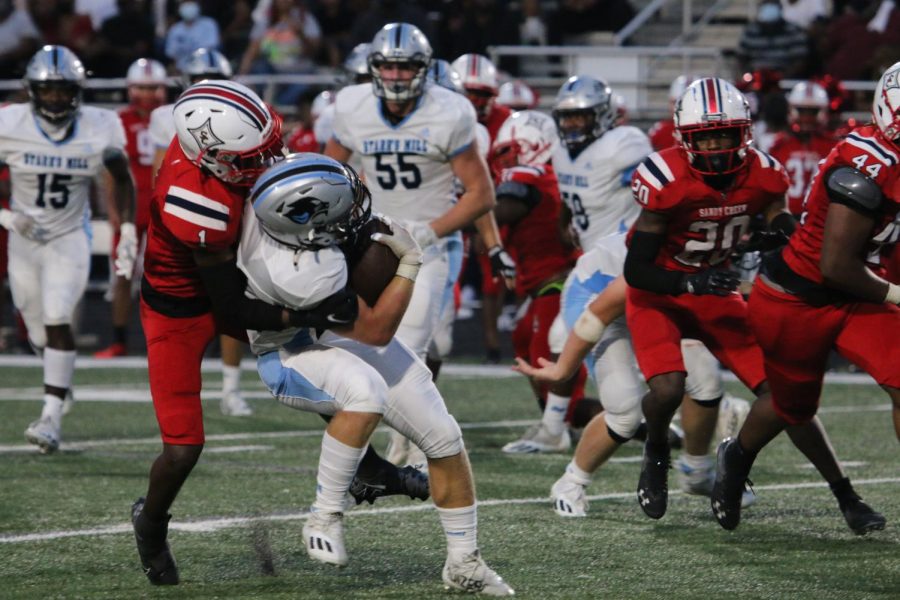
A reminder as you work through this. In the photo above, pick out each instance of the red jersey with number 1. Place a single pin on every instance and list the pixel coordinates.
(801, 161)
(534, 240)
(705, 224)
(867, 151)
(190, 210)
(140, 149)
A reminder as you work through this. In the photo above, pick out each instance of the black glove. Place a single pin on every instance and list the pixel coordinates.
(502, 264)
(338, 310)
(719, 282)
(764, 241)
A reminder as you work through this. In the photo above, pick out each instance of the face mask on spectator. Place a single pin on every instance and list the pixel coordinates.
(189, 11)
(769, 13)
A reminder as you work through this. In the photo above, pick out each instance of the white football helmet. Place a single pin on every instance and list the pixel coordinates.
(356, 65)
(146, 80)
(527, 137)
(441, 73)
(404, 44)
(808, 107)
(206, 64)
(584, 95)
(678, 86)
(713, 111)
(886, 105)
(55, 79)
(479, 78)
(310, 201)
(322, 100)
(225, 128)
(516, 95)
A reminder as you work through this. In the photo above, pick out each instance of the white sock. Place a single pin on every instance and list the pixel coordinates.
(576, 474)
(461, 529)
(231, 379)
(554, 419)
(702, 462)
(59, 366)
(52, 409)
(337, 466)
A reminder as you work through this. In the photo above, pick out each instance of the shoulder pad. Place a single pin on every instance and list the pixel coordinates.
(848, 186)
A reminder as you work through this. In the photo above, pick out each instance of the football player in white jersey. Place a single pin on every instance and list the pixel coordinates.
(205, 64)
(297, 215)
(594, 315)
(414, 139)
(55, 147)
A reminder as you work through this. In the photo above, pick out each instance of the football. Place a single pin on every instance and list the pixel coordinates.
(372, 265)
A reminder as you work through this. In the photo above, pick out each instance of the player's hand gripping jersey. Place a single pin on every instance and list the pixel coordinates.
(51, 182)
(595, 184)
(406, 166)
(705, 224)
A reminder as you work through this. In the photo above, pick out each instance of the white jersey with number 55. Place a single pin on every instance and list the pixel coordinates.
(51, 181)
(596, 184)
(407, 166)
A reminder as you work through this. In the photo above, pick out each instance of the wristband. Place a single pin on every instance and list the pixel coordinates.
(893, 294)
(589, 327)
(407, 271)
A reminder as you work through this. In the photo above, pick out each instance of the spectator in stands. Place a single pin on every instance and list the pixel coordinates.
(235, 24)
(382, 12)
(849, 44)
(122, 39)
(60, 25)
(192, 32)
(575, 17)
(19, 39)
(285, 43)
(481, 23)
(770, 42)
(336, 21)
(97, 10)
(803, 13)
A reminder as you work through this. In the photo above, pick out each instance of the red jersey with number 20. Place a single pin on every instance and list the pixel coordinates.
(865, 150)
(190, 210)
(705, 224)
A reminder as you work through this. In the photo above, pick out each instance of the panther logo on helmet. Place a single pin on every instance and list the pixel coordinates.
(305, 210)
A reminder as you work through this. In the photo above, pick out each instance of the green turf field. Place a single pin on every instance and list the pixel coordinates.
(64, 529)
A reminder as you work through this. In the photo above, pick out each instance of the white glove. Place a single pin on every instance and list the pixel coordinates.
(423, 234)
(22, 224)
(126, 250)
(404, 247)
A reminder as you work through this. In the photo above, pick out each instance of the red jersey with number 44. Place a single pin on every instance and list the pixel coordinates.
(705, 224)
(866, 150)
(534, 240)
(190, 210)
(140, 149)
(801, 161)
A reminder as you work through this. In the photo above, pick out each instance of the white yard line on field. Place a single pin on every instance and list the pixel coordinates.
(211, 525)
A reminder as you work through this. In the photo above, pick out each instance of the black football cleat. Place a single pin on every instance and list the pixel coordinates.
(407, 481)
(728, 488)
(653, 485)
(153, 549)
(862, 518)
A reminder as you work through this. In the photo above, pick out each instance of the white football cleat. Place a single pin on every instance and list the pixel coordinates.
(397, 449)
(569, 499)
(234, 405)
(699, 482)
(68, 402)
(44, 434)
(324, 537)
(469, 573)
(538, 439)
(732, 414)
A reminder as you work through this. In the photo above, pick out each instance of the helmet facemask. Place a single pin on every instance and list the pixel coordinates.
(243, 168)
(56, 102)
(716, 149)
(409, 81)
(578, 135)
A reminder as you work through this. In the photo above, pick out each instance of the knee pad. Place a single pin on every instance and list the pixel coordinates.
(704, 378)
(443, 440)
(557, 335)
(622, 426)
(708, 403)
(363, 393)
(615, 436)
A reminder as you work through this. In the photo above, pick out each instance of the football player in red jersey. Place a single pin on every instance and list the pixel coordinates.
(225, 137)
(146, 81)
(528, 203)
(806, 142)
(698, 199)
(826, 290)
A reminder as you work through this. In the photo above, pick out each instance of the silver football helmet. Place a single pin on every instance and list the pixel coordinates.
(581, 95)
(405, 44)
(310, 201)
(55, 79)
(356, 65)
(441, 73)
(206, 64)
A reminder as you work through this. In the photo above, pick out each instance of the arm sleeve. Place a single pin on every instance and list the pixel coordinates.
(643, 273)
(463, 130)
